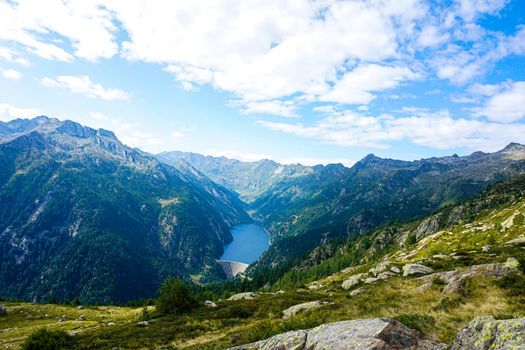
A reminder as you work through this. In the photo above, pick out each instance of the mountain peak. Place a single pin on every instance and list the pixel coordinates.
(514, 146)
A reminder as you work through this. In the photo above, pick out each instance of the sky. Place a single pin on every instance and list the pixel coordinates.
(290, 80)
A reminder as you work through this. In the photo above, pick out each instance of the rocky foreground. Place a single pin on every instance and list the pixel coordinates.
(385, 334)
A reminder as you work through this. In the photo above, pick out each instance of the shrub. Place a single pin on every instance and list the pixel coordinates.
(174, 297)
(438, 281)
(411, 239)
(421, 323)
(512, 284)
(48, 340)
(448, 303)
(237, 310)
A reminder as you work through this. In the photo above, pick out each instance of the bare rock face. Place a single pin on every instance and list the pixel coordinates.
(371, 334)
(485, 333)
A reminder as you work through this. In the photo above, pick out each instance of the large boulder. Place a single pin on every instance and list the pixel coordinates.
(286, 341)
(487, 333)
(294, 310)
(371, 334)
(352, 281)
(416, 269)
(3, 310)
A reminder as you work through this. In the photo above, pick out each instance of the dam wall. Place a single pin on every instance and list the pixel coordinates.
(232, 268)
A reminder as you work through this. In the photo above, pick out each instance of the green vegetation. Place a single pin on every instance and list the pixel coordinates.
(174, 297)
(48, 340)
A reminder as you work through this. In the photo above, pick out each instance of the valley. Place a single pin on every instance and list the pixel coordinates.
(430, 243)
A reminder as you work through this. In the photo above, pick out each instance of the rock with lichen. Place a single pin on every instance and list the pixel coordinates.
(487, 333)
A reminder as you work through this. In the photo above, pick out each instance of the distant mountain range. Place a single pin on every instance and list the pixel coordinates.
(327, 202)
(248, 179)
(84, 216)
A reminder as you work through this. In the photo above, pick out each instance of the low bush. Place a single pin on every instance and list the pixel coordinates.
(48, 340)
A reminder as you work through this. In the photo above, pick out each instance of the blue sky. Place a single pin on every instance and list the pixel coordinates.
(295, 81)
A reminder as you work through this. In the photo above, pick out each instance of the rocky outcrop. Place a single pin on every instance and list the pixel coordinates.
(428, 227)
(210, 304)
(241, 296)
(416, 269)
(487, 333)
(371, 334)
(454, 279)
(294, 310)
(352, 281)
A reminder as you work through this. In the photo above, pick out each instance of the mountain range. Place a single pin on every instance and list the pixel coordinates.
(84, 216)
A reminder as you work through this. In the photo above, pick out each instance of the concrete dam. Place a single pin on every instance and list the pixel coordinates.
(232, 268)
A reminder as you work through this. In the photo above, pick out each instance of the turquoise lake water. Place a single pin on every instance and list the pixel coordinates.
(249, 242)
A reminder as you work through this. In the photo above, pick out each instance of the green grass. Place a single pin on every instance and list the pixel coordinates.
(244, 321)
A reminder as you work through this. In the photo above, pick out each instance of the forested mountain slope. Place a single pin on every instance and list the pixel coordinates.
(82, 215)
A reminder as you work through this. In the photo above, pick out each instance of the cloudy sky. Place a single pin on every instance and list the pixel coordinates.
(292, 80)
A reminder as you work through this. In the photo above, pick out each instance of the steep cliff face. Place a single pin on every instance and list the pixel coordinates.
(82, 215)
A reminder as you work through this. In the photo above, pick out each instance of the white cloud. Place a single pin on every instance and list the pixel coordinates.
(177, 135)
(471, 9)
(356, 86)
(12, 74)
(84, 86)
(9, 112)
(436, 130)
(507, 106)
(275, 107)
(86, 24)
(272, 56)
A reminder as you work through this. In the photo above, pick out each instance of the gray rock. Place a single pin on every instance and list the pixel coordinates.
(381, 267)
(454, 279)
(371, 334)
(142, 323)
(352, 281)
(487, 333)
(210, 304)
(357, 291)
(428, 226)
(371, 280)
(416, 269)
(82, 318)
(286, 341)
(517, 241)
(294, 310)
(485, 248)
(110, 324)
(3, 310)
(424, 287)
(395, 269)
(241, 296)
(385, 275)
